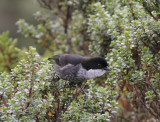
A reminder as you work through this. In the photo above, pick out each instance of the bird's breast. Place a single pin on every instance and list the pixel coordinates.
(93, 73)
(90, 74)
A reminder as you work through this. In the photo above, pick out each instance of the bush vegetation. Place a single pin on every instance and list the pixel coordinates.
(125, 32)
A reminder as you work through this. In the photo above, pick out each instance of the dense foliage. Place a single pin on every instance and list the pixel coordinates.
(8, 52)
(126, 32)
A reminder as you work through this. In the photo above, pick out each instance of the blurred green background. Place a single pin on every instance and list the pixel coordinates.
(13, 10)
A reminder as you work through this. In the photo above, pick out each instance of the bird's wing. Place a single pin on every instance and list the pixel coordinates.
(65, 59)
(63, 71)
(68, 72)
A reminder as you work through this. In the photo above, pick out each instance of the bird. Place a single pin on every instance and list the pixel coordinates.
(75, 68)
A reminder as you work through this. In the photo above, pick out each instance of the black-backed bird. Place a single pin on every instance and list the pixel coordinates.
(76, 69)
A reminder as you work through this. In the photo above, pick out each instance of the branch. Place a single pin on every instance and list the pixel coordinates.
(30, 94)
(156, 116)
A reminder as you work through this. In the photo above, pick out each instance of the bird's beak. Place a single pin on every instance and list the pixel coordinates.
(107, 68)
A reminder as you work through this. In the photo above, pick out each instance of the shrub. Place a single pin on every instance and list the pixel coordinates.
(126, 33)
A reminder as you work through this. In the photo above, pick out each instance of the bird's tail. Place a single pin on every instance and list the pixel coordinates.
(55, 58)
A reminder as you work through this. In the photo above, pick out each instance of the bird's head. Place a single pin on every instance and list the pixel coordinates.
(95, 63)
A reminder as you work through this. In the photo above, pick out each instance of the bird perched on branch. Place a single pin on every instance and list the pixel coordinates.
(76, 69)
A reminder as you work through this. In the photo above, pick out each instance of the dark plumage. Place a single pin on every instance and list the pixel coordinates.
(65, 59)
(76, 68)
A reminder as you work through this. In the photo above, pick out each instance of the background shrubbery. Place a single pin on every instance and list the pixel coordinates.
(126, 32)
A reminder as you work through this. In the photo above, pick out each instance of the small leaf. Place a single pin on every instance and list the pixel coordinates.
(50, 114)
